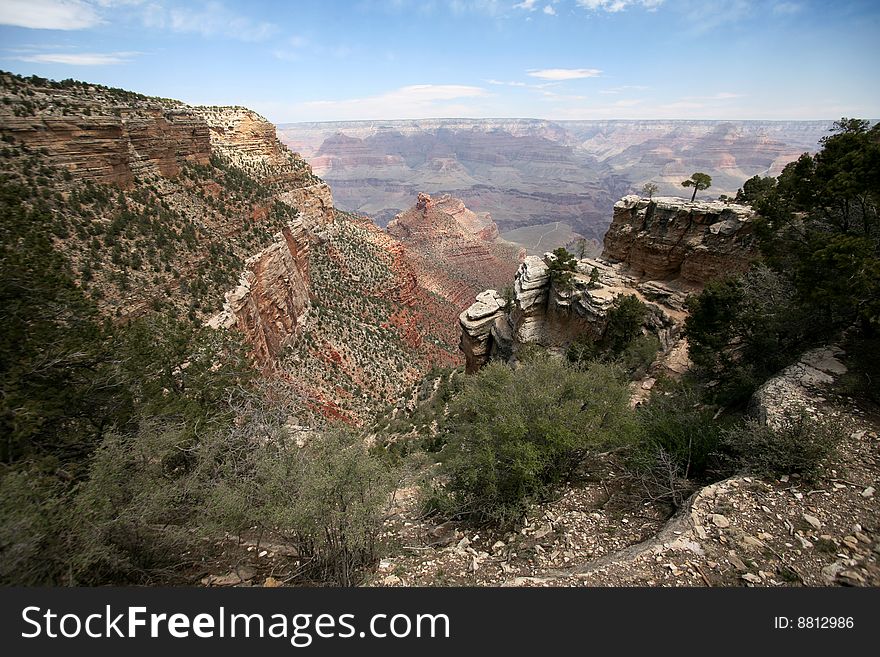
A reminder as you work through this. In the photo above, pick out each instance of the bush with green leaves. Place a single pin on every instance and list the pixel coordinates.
(743, 330)
(514, 434)
(798, 444)
(678, 443)
(623, 339)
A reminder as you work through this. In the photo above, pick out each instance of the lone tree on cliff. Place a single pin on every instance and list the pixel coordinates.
(562, 267)
(698, 181)
(649, 189)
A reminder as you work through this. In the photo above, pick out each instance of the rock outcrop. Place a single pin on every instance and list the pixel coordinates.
(799, 387)
(670, 238)
(271, 300)
(248, 141)
(657, 250)
(546, 314)
(453, 250)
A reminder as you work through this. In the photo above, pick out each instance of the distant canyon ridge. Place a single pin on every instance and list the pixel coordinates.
(545, 183)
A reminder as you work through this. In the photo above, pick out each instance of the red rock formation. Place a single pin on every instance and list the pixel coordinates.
(448, 252)
(272, 298)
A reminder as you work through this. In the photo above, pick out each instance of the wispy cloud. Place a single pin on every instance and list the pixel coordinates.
(528, 5)
(614, 6)
(706, 15)
(208, 19)
(787, 8)
(414, 101)
(511, 83)
(721, 95)
(549, 10)
(565, 73)
(622, 88)
(48, 14)
(79, 59)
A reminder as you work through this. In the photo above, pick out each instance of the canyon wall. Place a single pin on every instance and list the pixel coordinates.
(454, 251)
(112, 146)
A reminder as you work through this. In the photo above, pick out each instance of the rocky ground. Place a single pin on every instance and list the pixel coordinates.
(742, 531)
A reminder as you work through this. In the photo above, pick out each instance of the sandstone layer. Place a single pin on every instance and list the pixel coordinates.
(543, 313)
(670, 238)
(98, 135)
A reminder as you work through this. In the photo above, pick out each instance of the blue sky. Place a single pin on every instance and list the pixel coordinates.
(313, 60)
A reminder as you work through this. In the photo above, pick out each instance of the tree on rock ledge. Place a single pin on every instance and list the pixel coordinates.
(698, 181)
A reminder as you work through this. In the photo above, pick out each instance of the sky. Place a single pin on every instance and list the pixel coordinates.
(326, 60)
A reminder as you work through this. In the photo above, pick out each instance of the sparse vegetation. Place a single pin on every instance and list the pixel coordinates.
(699, 181)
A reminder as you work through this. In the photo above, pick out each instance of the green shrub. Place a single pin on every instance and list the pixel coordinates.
(562, 268)
(678, 443)
(515, 434)
(800, 444)
(682, 427)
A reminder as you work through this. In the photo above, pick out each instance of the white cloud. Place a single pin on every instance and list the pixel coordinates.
(48, 14)
(528, 5)
(614, 6)
(509, 84)
(549, 10)
(622, 88)
(79, 59)
(721, 95)
(565, 73)
(414, 101)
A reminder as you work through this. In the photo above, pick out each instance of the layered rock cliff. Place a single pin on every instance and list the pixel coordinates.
(201, 214)
(669, 238)
(541, 312)
(103, 135)
(454, 251)
(656, 250)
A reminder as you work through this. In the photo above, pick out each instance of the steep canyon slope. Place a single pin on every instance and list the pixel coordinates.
(201, 213)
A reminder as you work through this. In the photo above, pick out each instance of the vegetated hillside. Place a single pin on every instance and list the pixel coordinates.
(148, 215)
(535, 173)
(202, 214)
(153, 253)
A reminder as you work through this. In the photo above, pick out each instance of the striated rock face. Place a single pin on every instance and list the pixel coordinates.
(452, 249)
(669, 238)
(114, 149)
(248, 141)
(272, 297)
(477, 324)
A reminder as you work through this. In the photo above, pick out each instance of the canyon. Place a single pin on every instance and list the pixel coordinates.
(202, 212)
(546, 183)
